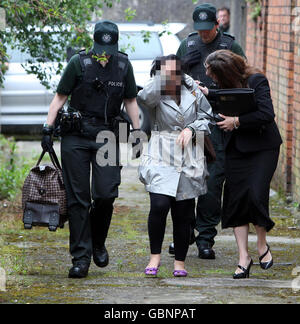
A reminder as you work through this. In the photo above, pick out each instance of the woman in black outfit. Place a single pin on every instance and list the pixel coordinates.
(252, 143)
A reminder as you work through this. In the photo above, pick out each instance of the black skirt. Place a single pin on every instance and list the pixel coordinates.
(247, 187)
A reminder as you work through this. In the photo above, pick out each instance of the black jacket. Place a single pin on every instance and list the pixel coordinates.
(258, 130)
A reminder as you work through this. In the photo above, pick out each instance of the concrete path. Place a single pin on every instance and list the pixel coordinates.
(37, 262)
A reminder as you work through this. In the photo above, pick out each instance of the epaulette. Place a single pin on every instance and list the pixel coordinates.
(85, 59)
(229, 35)
(193, 33)
(123, 61)
(122, 53)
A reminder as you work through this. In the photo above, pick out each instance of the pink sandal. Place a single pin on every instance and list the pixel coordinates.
(180, 273)
(151, 272)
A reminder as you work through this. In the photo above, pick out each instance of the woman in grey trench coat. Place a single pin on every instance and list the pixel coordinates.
(173, 168)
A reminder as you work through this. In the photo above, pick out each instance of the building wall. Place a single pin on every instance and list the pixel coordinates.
(273, 44)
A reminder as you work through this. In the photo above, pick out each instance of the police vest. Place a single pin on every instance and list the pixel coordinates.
(197, 52)
(100, 91)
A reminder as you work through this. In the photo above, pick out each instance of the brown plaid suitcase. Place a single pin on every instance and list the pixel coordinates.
(44, 200)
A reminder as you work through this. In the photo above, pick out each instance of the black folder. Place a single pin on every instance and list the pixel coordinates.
(234, 102)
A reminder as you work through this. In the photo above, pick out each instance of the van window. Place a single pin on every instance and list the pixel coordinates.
(132, 43)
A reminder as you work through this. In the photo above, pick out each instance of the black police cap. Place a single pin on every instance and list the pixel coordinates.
(106, 37)
(205, 17)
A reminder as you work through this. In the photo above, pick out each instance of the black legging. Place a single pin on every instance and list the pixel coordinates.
(182, 215)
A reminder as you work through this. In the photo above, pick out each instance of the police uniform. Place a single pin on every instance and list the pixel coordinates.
(193, 51)
(97, 92)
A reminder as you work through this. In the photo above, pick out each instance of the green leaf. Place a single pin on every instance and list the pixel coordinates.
(24, 18)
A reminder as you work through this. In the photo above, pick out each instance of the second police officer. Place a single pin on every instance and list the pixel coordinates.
(97, 83)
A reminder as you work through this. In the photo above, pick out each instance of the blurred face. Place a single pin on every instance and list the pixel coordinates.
(223, 18)
(207, 36)
(171, 75)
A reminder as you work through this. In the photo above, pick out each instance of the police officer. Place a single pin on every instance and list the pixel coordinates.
(194, 50)
(97, 83)
(224, 19)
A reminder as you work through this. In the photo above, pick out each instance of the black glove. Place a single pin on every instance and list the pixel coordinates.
(137, 145)
(47, 142)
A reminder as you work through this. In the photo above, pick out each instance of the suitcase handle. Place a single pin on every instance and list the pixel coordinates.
(53, 158)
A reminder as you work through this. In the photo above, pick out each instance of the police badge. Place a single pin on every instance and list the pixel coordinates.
(106, 38)
(203, 15)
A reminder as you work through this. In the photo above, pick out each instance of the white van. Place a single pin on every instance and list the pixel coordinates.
(25, 102)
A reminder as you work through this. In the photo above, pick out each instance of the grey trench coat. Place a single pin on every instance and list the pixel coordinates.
(165, 167)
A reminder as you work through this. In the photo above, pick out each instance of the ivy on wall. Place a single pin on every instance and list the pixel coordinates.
(255, 8)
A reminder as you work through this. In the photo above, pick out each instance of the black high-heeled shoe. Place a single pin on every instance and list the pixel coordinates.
(246, 272)
(266, 265)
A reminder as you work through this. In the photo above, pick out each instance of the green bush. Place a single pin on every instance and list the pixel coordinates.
(13, 169)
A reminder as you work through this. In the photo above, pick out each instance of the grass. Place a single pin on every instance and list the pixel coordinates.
(13, 168)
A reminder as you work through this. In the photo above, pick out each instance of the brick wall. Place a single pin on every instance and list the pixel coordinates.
(273, 44)
(296, 107)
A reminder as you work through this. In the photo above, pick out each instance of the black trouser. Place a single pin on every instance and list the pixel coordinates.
(88, 225)
(182, 216)
(209, 206)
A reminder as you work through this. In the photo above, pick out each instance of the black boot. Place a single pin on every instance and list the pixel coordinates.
(206, 252)
(100, 256)
(171, 248)
(79, 270)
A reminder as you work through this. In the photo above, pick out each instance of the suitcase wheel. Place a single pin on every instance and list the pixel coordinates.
(52, 228)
